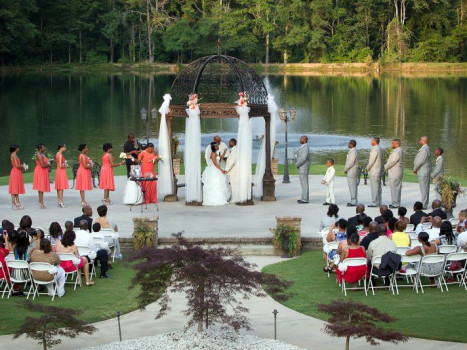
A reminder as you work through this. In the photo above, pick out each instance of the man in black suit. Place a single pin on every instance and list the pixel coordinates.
(371, 236)
(360, 210)
(382, 209)
(418, 215)
(87, 213)
(132, 148)
(437, 211)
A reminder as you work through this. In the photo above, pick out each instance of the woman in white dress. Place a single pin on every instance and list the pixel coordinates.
(215, 188)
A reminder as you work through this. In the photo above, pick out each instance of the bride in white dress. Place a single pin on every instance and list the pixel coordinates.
(215, 188)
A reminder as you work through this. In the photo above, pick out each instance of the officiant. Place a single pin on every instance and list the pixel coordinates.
(132, 148)
(223, 152)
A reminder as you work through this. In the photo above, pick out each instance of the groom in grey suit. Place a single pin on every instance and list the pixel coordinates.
(351, 170)
(303, 164)
(395, 168)
(422, 168)
(374, 169)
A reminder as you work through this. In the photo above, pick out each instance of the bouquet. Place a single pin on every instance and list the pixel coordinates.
(193, 101)
(25, 166)
(242, 99)
(123, 155)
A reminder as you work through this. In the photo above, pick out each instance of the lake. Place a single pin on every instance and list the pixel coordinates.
(99, 108)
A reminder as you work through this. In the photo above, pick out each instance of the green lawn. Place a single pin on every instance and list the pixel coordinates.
(431, 315)
(98, 302)
(316, 169)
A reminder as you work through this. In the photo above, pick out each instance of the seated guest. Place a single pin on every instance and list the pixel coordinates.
(360, 211)
(382, 209)
(55, 232)
(387, 215)
(381, 245)
(96, 227)
(46, 255)
(69, 226)
(460, 227)
(426, 248)
(399, 236)
(25, 224)
(401, 212)
(462, 240)
(67, 245)
(352, 273)
(392, 224)
(418, 215)
(366, 227)
(330, 218)
(10, 240)
(21, 247)
(103, 220)
(371, 236)
(437, 211)
(87, 213)
(432, 232)
(340, 235)
(3, 254)
(6, 228)
(344, 245)
(35, 239)
(446, 236)
(84, 238)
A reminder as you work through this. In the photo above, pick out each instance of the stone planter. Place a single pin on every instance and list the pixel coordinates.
(151, 222)
(295, 223)
(275, 166)
(176, 165)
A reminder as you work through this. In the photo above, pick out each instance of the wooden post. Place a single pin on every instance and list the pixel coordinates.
(269, 186)
(171, 197)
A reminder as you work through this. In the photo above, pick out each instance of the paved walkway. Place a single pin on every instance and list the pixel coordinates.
(226, 221)
(292, 327)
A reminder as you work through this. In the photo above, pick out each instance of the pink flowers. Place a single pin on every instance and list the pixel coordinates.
(243, 99)
(192, 101)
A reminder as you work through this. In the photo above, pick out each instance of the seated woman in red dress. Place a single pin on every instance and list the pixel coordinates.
(352, 273)
(41, 181)
(61, 179)
(107, 173)
(16, 185)
(83, 176)
(148, 159)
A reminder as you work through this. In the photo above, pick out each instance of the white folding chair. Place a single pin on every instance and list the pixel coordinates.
(447, 249)
(70, 257)
(414, 242)
(10, 256)
(86, 251)
(355, 262)
(437, 263)
(100, 242)
(4, 279)
(409, 272)
(19, 274)
(412, 234)
(42, 267)
(330, 246)
(402, 250)
(454, 221)
(375, 263)
(410, 227)
(460, 272)
(426, 225)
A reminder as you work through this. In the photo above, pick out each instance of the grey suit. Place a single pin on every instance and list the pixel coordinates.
(395, 168)
(439, 168)
(351, 169)
(303, 164)
(422, 165)
(374, 169)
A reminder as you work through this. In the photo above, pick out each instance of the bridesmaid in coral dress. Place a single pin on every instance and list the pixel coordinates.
(107, 173)
(83, 176)
(61, 179)
(148, 159)
(16, 178)
(41, 181)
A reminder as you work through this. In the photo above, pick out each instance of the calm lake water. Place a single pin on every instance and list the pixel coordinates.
(99, 108)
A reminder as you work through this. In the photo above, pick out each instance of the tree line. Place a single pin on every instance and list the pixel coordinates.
(260, 31)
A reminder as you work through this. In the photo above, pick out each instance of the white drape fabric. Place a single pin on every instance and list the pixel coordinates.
(192, 159)
(244, 150)
(261, 162)
(164, 182)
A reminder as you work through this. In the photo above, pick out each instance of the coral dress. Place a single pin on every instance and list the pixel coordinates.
(83, 176)
(353, 273)
(16, 179)
(107, 174)
(61, 179)
(4, 252)
(41, 181)
(147, 169)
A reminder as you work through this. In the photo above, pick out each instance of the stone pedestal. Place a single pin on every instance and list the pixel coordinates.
(176, 165)
(294, 222)
(275, 166)
(151, 222)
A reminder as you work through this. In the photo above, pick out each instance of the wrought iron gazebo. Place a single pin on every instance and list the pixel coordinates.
(217, 79)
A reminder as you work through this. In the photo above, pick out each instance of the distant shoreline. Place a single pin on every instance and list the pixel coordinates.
(310, 69)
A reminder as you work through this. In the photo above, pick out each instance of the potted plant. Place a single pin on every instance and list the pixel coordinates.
(175, 161)
(286, 238)
(143, 236)
(448, 189)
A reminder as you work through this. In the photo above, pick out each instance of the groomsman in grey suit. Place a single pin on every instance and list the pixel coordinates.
(395, 168)
(422, 168)
(303, 164)
(374, 169)
(351, 170)
(439, 168)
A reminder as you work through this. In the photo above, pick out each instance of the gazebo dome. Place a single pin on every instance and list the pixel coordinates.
(218, 79)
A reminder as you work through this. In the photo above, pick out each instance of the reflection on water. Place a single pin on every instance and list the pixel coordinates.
(99, 108)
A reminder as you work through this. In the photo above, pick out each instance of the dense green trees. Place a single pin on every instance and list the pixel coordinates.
(37, 31)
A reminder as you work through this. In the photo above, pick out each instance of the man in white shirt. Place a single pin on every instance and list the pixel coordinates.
(381, 245)
(328, 180)
(462, 240)
(223, 152)
(433, 232)
(84, 239)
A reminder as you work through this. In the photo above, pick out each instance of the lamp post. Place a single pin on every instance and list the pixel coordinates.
(144, 117)
(286, 116)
